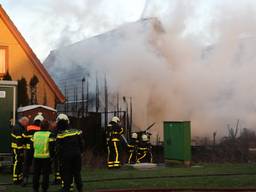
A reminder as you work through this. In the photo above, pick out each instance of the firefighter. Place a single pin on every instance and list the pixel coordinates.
(114, 143)
(17, 149)
(144, 150)
(70, 147)
(133, 147)
(29, 150)
(43, 150)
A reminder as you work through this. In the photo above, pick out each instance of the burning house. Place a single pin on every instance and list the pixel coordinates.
(170, 70)
(83, 69)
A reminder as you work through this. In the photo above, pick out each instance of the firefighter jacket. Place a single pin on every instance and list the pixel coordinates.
(54, 133)
(16, 136)
(144, 146)
(42, 144)
(28, 134)
(69, 142)
(133, 145)
(115, 131)
(144, 152)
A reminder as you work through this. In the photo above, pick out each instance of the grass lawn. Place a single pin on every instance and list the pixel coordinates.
(126, 178)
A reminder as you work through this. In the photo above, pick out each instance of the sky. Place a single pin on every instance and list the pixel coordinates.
(49, 24)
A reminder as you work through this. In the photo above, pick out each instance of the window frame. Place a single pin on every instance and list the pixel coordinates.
(6, 59)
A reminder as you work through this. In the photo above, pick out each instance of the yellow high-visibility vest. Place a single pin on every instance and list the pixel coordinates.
(41, 144)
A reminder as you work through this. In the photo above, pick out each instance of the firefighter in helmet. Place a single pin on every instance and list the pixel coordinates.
(133, 148)
(18, 149)
(144, 149)
(70, 146)
(29, 149)
(114, 144)
(43, 151)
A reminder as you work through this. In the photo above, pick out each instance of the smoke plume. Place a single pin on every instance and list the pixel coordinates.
(192, 61)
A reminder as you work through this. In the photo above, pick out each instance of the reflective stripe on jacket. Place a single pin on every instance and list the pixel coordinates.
(69, 142)
(33, 128)
(68, 133)
(17, 141)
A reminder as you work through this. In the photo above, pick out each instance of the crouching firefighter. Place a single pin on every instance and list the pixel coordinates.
(133, 148)
(43, 151)
(17, 149)
(144, 150)
(114, 131)
(70, 146)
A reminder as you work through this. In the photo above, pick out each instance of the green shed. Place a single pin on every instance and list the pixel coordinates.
(177, 140)
(7, 113)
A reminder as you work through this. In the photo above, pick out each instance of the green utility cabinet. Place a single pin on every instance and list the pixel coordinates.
(8, 92)
(177, 140)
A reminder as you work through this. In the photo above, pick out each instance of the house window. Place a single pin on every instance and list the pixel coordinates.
(3, 60)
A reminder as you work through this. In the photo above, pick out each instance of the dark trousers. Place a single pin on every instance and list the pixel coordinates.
(71, 169)
(132, 156)
(56, 168)
(144, 156)
(29, 153)
(114, 150)
(17, 175)
(41, 166)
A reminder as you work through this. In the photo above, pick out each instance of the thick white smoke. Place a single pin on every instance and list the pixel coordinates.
(198, 66)
(202, 69)
(210, 46)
